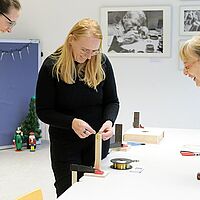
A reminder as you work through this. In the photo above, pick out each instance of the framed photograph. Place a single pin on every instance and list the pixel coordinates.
(189, 20)
(136, 31)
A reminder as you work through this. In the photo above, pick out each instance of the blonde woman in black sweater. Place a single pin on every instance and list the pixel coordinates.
(76, 95)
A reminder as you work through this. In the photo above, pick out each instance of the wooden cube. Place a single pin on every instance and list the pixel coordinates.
(144, 135)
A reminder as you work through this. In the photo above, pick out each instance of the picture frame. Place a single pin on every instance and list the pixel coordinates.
(189, 20)
(140, 31)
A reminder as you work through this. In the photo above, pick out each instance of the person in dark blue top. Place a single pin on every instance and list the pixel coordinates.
(76, 95)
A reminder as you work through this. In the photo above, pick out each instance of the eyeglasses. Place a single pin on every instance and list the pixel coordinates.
(90, 52)
(11, 23)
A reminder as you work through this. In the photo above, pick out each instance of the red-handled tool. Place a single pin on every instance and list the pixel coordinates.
(189, 153)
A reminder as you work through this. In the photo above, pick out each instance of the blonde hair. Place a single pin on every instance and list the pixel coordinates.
(90, 72)
(191, 48)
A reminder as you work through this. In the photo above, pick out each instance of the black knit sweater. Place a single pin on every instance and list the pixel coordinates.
(58, 103)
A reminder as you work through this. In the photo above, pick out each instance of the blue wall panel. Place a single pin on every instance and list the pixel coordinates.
(18, 76)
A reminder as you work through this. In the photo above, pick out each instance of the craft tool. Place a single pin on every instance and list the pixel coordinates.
(122, 163)
(189, 153)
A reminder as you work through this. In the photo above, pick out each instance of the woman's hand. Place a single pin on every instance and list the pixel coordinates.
(106, 130)
(82, 128)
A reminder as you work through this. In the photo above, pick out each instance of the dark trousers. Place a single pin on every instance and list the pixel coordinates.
(67, 152)
(63, 155)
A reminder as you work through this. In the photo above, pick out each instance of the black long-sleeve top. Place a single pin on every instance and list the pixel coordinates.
(58, 103)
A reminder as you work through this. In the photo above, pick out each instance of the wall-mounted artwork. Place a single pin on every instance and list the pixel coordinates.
(189, 20)
(136, 31)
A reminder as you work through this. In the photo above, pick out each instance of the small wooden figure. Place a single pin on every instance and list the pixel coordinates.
(17, 140)
(32, 141)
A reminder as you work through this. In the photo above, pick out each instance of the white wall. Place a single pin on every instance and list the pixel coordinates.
(153, 86)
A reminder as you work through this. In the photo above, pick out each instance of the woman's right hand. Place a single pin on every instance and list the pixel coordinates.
(82, 128)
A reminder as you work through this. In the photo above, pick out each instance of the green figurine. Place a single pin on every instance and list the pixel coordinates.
(17, 140)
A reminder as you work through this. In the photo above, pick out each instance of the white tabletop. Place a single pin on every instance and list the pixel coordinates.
(166, 176)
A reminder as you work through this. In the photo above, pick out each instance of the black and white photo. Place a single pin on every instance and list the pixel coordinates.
(189, 20)
(136, 31)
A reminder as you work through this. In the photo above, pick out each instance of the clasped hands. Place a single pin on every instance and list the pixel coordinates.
(83, 129)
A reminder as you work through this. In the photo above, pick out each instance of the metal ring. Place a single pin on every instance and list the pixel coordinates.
(84, 131)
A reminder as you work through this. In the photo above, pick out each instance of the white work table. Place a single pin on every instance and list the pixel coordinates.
(167, 175)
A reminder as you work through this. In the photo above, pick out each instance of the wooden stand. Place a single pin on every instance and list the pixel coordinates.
(118, 133)
(117, 137)
(136, 120)
(98, 147)
(97, 163)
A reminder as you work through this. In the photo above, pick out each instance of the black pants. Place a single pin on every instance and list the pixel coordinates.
(67, 152)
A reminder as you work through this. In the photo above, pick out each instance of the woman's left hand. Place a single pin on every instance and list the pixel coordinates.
(106, 130)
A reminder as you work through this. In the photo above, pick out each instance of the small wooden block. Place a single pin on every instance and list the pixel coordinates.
(74, 177)
(97, 175)
(136, 120)
(149, 136)
(118, 133)
(121, 148)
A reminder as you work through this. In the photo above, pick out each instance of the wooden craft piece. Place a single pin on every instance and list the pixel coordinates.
(98, 147)
(136, 120)
(118, 133)
(118, 137)
(74, 177)
(147, 135)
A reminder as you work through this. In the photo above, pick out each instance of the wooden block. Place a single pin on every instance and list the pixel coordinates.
(97, 175)
(74, 177)
(147, 135)
(118, 133)
(121, 148)
(98, 147)
(136, 120)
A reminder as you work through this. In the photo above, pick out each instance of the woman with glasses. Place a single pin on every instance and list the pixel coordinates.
(9, 13)
(190, 55)
(76, 95)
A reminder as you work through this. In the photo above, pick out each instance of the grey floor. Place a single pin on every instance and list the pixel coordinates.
(22, 172)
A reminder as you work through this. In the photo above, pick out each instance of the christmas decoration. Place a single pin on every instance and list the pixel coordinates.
(31, 123)
(15, 52)
(32, 142)
(17, 139)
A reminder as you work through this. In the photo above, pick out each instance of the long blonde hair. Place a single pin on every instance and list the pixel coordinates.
(190, 48)
(90, 72)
